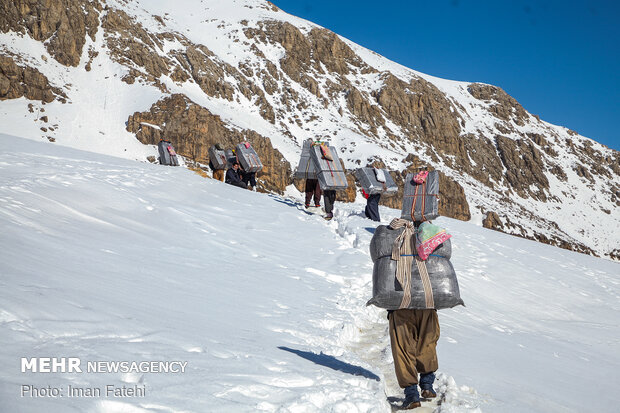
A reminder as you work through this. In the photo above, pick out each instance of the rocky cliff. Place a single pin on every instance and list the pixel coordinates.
(245, 70)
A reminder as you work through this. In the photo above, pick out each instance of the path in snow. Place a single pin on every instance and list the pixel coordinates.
(110, 259)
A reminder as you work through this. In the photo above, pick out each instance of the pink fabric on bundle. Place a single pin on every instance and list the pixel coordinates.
(426, 248)
(420, 177)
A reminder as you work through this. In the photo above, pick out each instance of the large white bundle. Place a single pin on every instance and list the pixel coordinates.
(421, 201)
(370, 182)
(330, 172)
(387, 291)
(248, 158)
(306, 170)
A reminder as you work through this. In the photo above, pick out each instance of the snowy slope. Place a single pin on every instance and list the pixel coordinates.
(108, 259)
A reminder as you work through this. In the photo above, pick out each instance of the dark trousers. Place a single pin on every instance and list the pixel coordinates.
(240, 184)
(372, 207)
(249, 178)
(329, 197)
(313, 189)
(413, 336)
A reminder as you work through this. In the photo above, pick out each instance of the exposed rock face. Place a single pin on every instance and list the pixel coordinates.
(133, 47)
(20, 80)
(61, 24)
(349, 194)
(452, 200)
(306, 55)
(505, 107)
(295, 79)
(423, 111)
(492, 221)
(193, 129)
(518, 230)
(524, 166)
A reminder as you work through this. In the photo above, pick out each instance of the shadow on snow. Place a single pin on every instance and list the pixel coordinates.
(332, 363)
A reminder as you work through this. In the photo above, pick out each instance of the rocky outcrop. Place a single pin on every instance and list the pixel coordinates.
(315, 77)
(132, 46)
(142, 52)
(421, 110)
(17, 80)
(503, 106)
(452, 200)
(307, 55)
(513, 228)
(492, 221)
(61, 24)
(193, 129)
(524, 167)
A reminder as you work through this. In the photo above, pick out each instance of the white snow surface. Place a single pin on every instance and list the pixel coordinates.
(108, 259)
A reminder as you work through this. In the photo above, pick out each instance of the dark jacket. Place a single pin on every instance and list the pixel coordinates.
(233, 178)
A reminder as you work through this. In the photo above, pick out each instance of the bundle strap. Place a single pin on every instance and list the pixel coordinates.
(423, 200)
(415, 200)
(426, 283)
(255, 160)
(402, 252)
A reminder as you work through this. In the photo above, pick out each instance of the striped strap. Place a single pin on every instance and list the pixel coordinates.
(402, 251)
(255, 160)
(415, 200)
(423, 201)
(426, 283)
(339, 173)
(423, 195)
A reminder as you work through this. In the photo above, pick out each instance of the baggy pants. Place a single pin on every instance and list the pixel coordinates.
(313, 189)
(329, 196)
(219, 174)
(413, 335)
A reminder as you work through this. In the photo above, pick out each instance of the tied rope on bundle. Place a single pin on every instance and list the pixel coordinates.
(402, 253)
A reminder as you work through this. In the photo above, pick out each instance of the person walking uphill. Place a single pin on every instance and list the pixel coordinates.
(313, 189)
(217, 173)
(372, 206)
(413, 337)
(233, 178)
(329, 196)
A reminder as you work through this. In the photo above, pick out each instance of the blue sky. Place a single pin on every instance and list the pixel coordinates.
(559, 59)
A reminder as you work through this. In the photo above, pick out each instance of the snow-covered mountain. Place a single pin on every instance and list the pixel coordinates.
(109, 260)
(96, 75)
